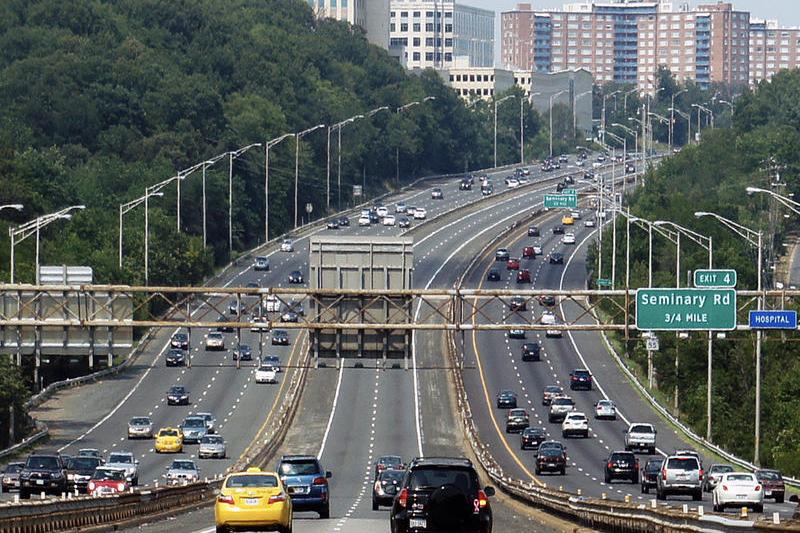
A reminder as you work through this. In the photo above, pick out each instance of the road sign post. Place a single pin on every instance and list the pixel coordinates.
(705, 279)
(560, 201)
(685, 309)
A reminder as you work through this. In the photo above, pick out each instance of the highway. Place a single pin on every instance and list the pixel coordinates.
(497, 364)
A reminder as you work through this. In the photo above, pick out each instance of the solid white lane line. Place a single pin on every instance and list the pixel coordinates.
(333, 413)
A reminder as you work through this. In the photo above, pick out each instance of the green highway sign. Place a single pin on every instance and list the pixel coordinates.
(603, 282)
(559, 201)
(715, 278)
(573, 192)
(685, 309)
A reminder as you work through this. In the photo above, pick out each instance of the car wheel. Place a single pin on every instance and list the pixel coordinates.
(759, 508)
(651, 451)
(660, 495)
(24, 495)
(222, 529)
(779, 498)
(564, 434)
(607, 478)
(563, 470)
(375, 505)
(635, 479)
(325, 512)
(697, 496)
(718, 508)
(645, 489)
(537, 471)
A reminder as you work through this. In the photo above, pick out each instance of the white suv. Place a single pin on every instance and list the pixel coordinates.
(575, 423)
(641, 437)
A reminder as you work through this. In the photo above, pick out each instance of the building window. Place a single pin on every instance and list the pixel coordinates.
(448, 56)
(448, 28)
(428, 56)
(404, 27)
(416, 56)
(417, 26)
(429, 26)
(416, 41)
(429, 41)
(404, 14)
(417, 14)
(454, 78)
(391, 26)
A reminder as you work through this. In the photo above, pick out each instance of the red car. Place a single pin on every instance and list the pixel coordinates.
(773, 484)
(524, 276)
(107, 481)
(512, 264)
(528, 252)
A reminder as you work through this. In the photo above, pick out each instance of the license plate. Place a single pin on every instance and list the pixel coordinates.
(741, 496)
(682, 476)
(551, 464)
(298, 490)
(40, 482)
(417, 522)
(768, 493)
(251, 501)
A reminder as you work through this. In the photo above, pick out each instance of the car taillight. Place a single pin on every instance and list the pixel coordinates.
(320, 481)
(758, 488)
(402, 498)
(483, 500)
(277, 498)
(610, 464)
(663, 474)
(701, 474)
(91, 485)
(381, 467)
(225, 498)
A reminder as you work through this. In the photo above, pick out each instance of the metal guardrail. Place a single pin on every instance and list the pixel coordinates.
(600, 513)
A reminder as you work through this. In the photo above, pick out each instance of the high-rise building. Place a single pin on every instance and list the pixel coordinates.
(372, 15)
(626, 41)
(772, 49)
(434, 32)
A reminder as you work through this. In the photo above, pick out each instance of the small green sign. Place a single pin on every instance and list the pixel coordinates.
(685, 309)
(569, 191)
(603, 282)
(560, 201)
(715, 278)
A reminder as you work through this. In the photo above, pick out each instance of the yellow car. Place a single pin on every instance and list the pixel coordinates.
(169, 440)
(253, 499)
(567, 220)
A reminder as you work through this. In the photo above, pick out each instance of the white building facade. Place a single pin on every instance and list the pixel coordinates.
(371, 15)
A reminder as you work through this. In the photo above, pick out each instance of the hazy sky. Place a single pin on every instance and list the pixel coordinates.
(787, 12)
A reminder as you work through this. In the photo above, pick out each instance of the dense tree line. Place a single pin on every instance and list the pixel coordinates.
(762, 144)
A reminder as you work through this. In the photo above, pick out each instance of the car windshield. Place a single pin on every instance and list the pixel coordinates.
(506, 393)
(434, 477)
(770, 475)
(582, 373)
(109, 474)
(120, 458)
(682, 463)
(299, 468)
(83, 463)
(42, 462)
(641, 429)
(533, 432)
(177, 390)
(194, 423)
(168, 433)
(215, 335)
(183, 465)
(180, 337)
(260, 481)
(653, 466)
(552, 388)
(577, 417)
(740, 477)
(212, 439)
(517, 412)
(390, 460)
(244, 348)
(391, 476)
(13, 469)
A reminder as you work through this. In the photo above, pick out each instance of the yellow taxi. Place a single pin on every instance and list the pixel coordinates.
(567, 220)
(169, 440)
(253, 499)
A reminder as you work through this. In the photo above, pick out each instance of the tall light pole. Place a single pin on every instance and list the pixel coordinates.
(267, 145)
(183, 174)
(603, 112)
(125, 209)
(335, 127)
(34, 227)
(522, 127)
(297, 137)
(754, 238)
(625, 99)
(629, 131)
(207, 164)
(231, 157)
(575, 112)
(727, 103)
(148, 192)
(707, 243)
(688, 118)
(552, 98)
(706, 110)
(496, 104)
(672, 116)
(397, 150)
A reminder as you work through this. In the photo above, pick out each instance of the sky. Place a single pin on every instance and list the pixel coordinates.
(787, 12)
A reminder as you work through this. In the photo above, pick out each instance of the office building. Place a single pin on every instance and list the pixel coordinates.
(469, 81)
(772, 49)
(371, 15)
(434, 32)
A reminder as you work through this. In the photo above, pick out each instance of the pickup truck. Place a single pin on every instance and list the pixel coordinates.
(640, 436)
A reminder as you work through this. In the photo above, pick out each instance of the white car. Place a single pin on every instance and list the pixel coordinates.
(548, 318)
(537, 250)
(259, 324)
(363, 220)
(589, 223)
(596, 165)
(605, 409)
(287, 245)
(266, 374)
(576, 215)
(400, 207)
(575, 423)
(420, 213)
(512, 183)
(388, 220)
(642, 437)
(382, 211)
(127, 462)
(272, 304)
(569, 238)
(738, 489)
(215, 341)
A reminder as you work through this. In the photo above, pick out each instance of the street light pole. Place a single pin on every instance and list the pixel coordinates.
(552, 98)
(297, 138)
(603, 117)
(231, 156)
(397, 152)
(33, 227)
(496, 104)
(267, 145)
(672, 117)
(574, 112)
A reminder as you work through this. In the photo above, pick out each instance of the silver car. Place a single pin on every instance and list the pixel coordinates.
(212, 446)
(140, 427)
(194, 429)
(211, 421)
(125, 461)
(680, 474)
(182, 471)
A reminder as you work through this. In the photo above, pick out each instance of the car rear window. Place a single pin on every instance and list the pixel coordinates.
(299, 468)
(622, 457)
(653, 466)
(83, 463)
(251, 481)
(683, 463)
(212, 439)
(435, 477)
(168, 433)
(772, 476)
(576, 417)
(740, 477)
(641, 429)
(722, 469)
(391, 476)
(563, 401)
(109, 473)
(550, 451)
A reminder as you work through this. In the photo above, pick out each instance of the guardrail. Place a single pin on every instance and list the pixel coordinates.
(600, 513)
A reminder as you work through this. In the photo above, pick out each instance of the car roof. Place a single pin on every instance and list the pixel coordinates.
(440, 461)
(298, 457)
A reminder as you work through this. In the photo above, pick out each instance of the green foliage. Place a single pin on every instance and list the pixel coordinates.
(713, 176)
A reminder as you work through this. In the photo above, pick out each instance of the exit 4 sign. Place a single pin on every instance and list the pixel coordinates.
(707, 279)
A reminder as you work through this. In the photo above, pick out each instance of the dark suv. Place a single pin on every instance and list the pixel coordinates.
(650, 473)
(442, 494)
(531, 351)
(580, 379)
(306, 482)
(42, 473)
(622, 465)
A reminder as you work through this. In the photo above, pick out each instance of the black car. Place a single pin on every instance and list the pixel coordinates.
(465, 185)
(556, 258)
(652, 469)
(175, 357)
(180, 340)
(532, 438)
(533, 231)
(385, 488)
(80, 470)
(177, 396)
(506, 399)
(551, 459)
(243, 352)
(290, 316)
(622, 465)
(518, 303)
(569, 180)
(225, 329)
(493, 275)
(295, 276)
(42, 473)
(373, 217)
(442, 494)
(280, 337)
(558, 230)
(404, 222)
(580, 379)
(588, 175)
(531, 351)
(344, 221)
(388, 462)
(252, 285)
(547, 300)
(559, 187)
(502, 254)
